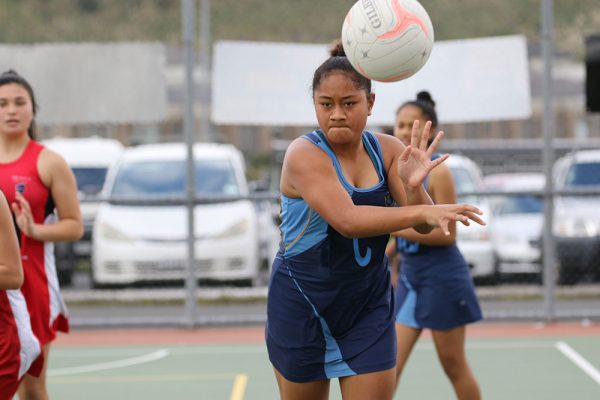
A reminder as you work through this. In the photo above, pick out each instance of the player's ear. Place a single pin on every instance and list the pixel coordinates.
(370, 101)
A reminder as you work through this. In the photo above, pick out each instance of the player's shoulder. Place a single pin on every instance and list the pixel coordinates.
(391, 147)
(51, 158)
(301, 147)
(442, 169)
(441, 175)
(302, 154)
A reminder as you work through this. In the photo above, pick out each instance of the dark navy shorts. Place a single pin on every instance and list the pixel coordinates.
(319, 330)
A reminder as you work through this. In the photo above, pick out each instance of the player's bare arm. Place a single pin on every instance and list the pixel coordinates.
(11, 271)
(56, 174)
(325, 194)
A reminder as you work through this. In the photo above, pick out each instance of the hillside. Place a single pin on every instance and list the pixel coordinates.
(30, 21)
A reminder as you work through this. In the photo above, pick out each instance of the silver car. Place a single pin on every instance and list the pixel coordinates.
(516, 227)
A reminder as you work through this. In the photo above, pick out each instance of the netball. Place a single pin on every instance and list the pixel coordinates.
(387, 40)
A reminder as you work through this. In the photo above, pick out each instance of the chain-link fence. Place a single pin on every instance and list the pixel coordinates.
(111, 79)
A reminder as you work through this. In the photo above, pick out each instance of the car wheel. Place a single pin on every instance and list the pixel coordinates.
(65, 265)
(65, 277)
(496, 276)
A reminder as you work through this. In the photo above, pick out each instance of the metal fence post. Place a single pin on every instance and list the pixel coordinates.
(188, 12)
(549, 259)
(205, 133)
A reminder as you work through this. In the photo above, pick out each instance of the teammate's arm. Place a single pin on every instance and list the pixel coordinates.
(56, 175)
(11, 271)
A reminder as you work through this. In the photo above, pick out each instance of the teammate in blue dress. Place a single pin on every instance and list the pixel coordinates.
(330, 311)
(434, 289)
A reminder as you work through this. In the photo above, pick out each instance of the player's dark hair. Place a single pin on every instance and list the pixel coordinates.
(11, 76)
(338, 62)
(425, 103)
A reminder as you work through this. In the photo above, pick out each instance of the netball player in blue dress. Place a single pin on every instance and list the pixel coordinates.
(434, 288)
(330, 303)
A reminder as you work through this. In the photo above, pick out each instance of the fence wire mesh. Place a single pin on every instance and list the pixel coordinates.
(129, 269)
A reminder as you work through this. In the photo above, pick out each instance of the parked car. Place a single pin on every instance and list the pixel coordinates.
(577, 218)
(136, 242)
(474, 240)
(268, 228)
(517, 223)
(89, 158)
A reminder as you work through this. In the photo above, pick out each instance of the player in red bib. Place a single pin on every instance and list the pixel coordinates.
(42, 191)
(19, 347)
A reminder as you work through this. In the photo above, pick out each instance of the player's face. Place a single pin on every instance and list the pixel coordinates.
(16, 109)
(404, 122)
(342, 108)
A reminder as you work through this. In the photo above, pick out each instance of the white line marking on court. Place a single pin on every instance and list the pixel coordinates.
(581, 362)
(141, 378)
(193, 349)
(157, 355)
(239, 387)
(177, 350)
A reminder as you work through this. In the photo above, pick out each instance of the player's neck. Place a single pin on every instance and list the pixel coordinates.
(12, 146)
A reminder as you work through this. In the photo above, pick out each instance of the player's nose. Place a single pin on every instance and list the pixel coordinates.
(338, 113)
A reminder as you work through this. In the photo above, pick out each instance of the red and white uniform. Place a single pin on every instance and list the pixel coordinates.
(41, 290)
(19, 348)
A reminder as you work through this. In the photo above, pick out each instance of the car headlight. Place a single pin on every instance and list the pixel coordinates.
(111, 233)
(239, 228)
(576, 227)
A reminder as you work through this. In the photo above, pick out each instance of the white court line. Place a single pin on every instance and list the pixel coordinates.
(140, 378)
(157, 355)
(239, 387)
(581, 362)
(194, 349)
(176, 350)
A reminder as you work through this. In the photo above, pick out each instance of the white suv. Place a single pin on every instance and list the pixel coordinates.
(577, 218)
(138, 242)
(473, 241)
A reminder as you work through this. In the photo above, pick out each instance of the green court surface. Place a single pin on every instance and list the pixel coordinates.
(544, 369)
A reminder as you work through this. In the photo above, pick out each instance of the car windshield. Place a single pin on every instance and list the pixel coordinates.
(89, 180)
(167, 179)
(521, 205)
(464, 182)
(583, 174)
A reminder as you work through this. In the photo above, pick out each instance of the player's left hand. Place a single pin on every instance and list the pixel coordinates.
(414, 164)
(23, 215)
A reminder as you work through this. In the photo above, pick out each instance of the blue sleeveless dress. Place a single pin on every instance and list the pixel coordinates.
(330, 310)
(435, 289)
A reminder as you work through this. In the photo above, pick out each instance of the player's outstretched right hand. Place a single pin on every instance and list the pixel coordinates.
(441, 215)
